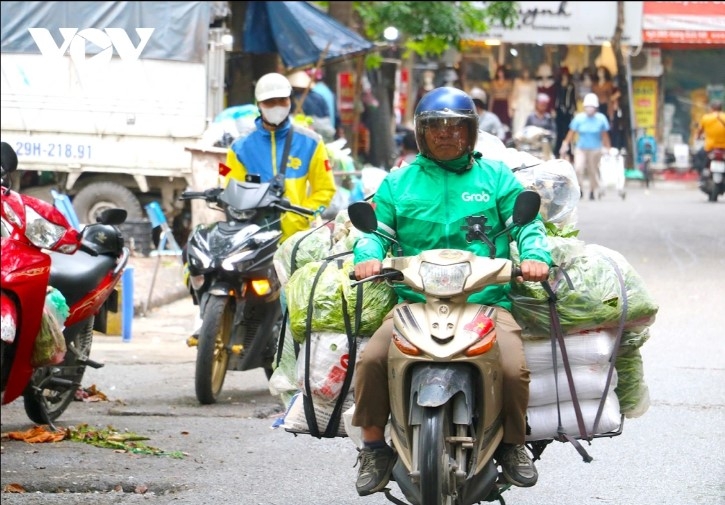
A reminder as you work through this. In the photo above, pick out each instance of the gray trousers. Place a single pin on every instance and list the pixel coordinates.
(372, 401)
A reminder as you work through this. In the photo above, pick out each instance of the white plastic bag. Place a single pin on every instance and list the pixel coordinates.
(329, 356)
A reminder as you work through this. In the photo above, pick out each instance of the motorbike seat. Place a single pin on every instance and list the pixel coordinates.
(75, 275)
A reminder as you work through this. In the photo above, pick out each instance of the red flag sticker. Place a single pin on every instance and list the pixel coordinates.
(223, 169)
(481, 324)
(328, 167)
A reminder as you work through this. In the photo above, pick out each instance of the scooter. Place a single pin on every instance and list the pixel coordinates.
(231, 277)
(444, 371)
(41, 249)
(712, 177)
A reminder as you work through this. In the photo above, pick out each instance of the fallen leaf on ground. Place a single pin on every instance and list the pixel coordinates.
(90, 394)
(37, 435)
(110, 438)
(14, 488)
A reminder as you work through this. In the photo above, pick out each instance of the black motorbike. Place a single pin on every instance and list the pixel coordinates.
(232, 279)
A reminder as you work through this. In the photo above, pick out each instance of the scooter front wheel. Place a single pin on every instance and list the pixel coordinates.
(53, 388)
(433, 458)
(212, 356)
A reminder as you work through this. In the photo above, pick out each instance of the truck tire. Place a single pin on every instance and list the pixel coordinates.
(99, 196)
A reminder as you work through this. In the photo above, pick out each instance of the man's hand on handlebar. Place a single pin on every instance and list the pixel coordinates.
(368, 269)
(532, 270)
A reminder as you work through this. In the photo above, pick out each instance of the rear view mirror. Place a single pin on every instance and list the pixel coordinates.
(112, 216)
(8, 158)
(363, 217)
(526, 207)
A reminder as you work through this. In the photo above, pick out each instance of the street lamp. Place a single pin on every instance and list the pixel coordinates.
(391, 34)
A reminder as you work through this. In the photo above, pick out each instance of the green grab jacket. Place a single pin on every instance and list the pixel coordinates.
(423, 207)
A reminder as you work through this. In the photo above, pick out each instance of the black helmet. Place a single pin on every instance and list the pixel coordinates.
(442, 105)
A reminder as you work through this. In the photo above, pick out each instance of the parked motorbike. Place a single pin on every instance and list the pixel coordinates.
(40, 249)
(444, 371)
(233, 281)
(712, 176)
(536, 141)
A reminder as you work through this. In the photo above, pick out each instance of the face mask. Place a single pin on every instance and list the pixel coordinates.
(275, 115)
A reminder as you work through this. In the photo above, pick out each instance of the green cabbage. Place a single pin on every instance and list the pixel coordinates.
(632, 391)
(325, 312)
(592, 301)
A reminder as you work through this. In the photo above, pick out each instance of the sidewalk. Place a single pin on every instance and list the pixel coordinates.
(157, 281)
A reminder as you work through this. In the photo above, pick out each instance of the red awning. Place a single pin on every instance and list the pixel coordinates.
(701, 23)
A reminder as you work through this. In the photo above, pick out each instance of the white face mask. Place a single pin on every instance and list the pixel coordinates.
(275, 115)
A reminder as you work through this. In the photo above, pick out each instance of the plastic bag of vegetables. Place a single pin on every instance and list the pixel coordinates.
(49, 347)
(315, 293)
(588, 296)
(301, 248)
(556, 183)
(631, 389)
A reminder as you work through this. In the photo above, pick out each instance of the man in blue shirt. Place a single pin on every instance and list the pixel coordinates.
(592, 128)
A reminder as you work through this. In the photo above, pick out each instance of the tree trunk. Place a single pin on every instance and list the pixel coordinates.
(243, 69)
(624, 79)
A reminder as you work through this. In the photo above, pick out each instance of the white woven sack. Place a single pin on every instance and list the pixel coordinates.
(589, 382)
(585, 348)
(543, 420)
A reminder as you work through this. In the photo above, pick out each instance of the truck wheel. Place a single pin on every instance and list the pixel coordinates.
(99, 196)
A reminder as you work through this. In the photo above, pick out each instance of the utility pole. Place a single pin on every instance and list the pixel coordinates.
(625, 85)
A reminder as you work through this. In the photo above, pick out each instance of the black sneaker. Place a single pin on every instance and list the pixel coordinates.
(376, 465)
(517, 466)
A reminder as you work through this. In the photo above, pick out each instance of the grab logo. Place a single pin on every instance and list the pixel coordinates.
(475, 197)
(75, 43)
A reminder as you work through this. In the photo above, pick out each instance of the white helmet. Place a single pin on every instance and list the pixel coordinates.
(300, 79)
(272, 85)
(590, 100)
(478, 93)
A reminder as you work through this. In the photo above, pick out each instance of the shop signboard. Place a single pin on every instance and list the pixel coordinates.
(644, 100)
(684, 23)
(568, 23)
(346, 97)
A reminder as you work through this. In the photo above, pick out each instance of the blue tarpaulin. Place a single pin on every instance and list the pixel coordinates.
(299, 33)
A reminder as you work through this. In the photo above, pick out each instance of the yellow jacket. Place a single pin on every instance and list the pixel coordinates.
(309, 181)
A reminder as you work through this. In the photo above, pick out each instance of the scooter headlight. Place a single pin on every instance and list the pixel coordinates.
(241, 215)
(444, 280)
(41, 232)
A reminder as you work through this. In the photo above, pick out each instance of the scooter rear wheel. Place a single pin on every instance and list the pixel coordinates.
(53, 388)
(434, 456)
(212, 353)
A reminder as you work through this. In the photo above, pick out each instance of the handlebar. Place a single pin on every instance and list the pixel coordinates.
(515, 272)
(285, 205)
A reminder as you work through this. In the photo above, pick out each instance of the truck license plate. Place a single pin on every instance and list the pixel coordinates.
(717, 166)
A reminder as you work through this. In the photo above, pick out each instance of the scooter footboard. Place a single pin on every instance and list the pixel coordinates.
(433, 385)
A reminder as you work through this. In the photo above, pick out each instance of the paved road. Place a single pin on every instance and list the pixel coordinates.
(669, 456)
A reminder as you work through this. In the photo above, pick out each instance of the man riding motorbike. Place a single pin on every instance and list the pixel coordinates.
(275, 143)
(410, 208)
(308, 180)
(712, 127)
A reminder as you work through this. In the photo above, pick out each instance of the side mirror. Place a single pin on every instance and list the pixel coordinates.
(526, 207)
(112, 216)
(8, 158)
(363, 217)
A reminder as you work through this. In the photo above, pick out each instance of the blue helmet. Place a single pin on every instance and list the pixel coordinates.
(445, 103)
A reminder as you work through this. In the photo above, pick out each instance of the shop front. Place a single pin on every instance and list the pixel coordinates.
(550, 38)
(687, 40)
